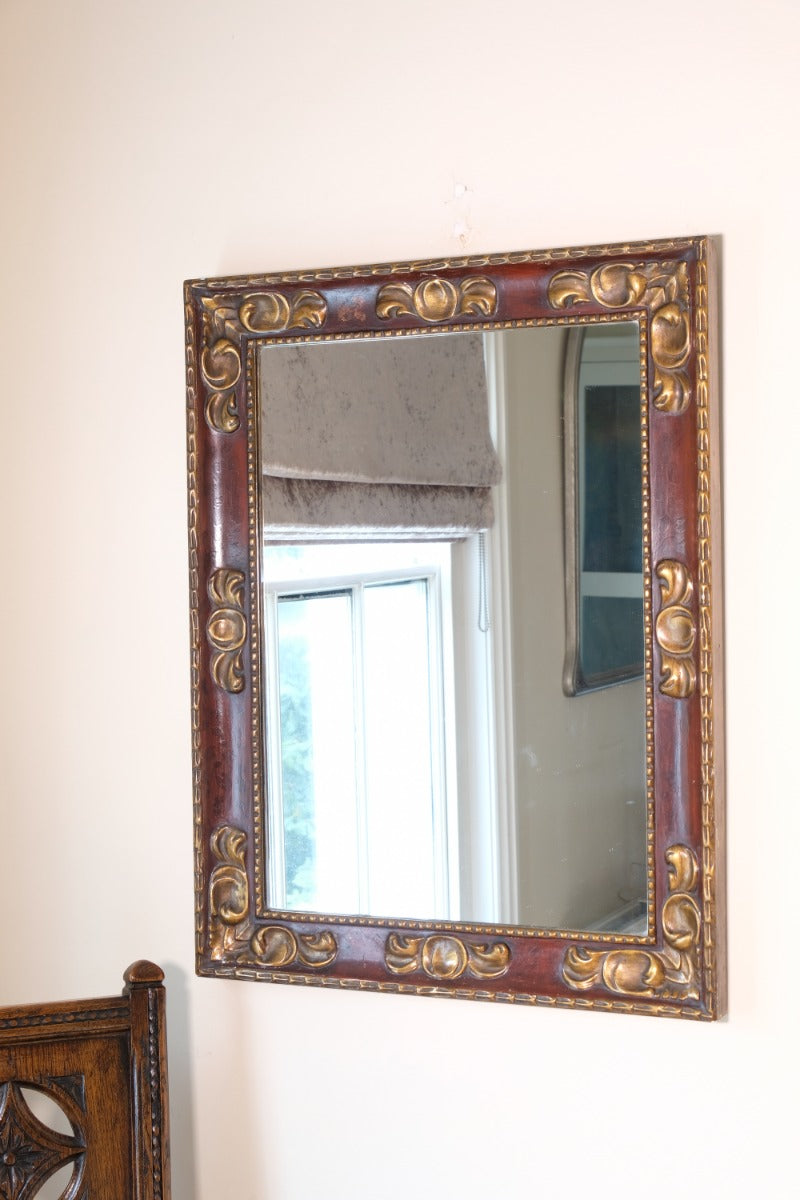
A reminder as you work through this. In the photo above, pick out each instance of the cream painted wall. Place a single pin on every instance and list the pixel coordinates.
(579, 768)
(143, 143)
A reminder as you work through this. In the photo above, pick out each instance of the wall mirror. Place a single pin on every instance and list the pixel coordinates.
(454, 555)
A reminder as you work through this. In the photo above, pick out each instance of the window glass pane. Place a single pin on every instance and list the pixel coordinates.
(611, 632)
(401, 761)
(341, 561)
(612, 480)
(361, 750)
(318, 753)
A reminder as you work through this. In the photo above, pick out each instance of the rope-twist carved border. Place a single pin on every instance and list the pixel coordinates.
(466, 262)
(254, 536)
(153, 1075)
(194, 611)
(706, 645)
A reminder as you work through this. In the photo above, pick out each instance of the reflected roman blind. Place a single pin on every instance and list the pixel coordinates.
(387, 438)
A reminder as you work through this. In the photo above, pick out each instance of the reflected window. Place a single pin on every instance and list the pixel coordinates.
(361, 759)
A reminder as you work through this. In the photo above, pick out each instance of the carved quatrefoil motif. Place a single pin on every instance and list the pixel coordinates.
(30, 1151)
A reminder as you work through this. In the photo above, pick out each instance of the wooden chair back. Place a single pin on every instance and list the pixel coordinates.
(103, 1064)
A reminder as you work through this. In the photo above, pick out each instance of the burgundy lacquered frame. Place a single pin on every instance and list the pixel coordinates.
(669, 287)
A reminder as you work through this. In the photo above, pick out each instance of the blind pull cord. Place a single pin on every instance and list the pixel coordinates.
(483, 588)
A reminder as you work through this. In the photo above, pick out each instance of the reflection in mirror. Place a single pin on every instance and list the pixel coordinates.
(423, 758)
(603, 507)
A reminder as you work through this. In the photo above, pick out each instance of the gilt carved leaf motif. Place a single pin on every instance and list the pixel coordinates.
(445, 957)
(226, 629)
(438, 299)
(227, 889)
(271, 312)
(221, 369)
(277, 946)
(221, 364)
(676, 630)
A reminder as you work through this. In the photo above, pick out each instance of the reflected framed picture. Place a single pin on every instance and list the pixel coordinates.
(602, 508)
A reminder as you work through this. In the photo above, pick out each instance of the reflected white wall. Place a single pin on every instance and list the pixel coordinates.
(578, 760)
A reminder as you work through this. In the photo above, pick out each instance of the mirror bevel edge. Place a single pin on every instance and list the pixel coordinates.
(678, 969)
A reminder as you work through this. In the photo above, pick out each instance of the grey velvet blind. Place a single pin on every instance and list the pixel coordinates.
(386, 438)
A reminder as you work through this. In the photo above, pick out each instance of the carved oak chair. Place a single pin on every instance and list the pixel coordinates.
(103, 1064)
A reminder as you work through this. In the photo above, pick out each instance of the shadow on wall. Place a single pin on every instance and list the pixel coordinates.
(179, 1060)
(180, 1068)
(212, 1084)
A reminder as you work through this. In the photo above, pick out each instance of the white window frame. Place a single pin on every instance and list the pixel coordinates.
(444, 816)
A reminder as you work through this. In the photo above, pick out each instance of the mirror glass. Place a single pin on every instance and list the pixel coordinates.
(603, 508)
(454, 692)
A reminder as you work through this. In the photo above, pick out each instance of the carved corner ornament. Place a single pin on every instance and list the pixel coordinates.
(669, 974)
(231, 933)
(676, 630)
(223, 328)
(226, 628)
(438, 299)
(445, 957)
(661, 287)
